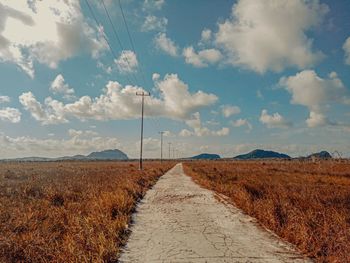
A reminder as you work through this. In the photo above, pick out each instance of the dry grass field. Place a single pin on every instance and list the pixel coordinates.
(306, 203)
(69, 211)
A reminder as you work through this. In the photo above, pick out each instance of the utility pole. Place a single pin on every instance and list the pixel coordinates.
(161, 145)
(142, 94)
(169, 149)
(173, 152)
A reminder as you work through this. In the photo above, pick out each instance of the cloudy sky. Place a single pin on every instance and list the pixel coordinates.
(225, 76)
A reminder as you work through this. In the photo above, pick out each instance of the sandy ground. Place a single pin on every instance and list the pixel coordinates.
(178, 221)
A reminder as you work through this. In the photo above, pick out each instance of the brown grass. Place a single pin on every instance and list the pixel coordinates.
(69, 211)
(306, 203)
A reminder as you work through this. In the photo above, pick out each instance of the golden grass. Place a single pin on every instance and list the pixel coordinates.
(69, 211)
(306, 203)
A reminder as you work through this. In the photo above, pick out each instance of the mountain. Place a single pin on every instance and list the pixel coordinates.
(103, 155)
(207, 156)
(108, 155)
(261, 154)
(321, 155)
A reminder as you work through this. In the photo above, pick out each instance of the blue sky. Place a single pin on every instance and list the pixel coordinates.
(225, 76)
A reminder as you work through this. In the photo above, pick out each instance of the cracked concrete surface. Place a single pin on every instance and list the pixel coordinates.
(178, 221)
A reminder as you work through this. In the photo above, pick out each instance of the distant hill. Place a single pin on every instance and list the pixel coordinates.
(206, 156)
(320, 155)
(108, 155)
(103, 155)
(261, 154)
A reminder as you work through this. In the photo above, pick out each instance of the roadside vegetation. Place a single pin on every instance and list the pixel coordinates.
(306, 203)
(69, 211)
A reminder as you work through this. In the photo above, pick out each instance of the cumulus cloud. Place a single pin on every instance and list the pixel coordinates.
(127, 61)
(117, 102)
(241, 123)
(274, 121)
(346, 48)
(314, 92)
(317, 119)
(80, 142)
(150, 5)
(50, 114)
(155, 76)
(149, 144)
(229, 110)
(166, 44)
(81, 133)
(206, 35)
(198, 130)
(271, 35)
(4, 99)
(153, 23)
(58, 86)
(46, 32)
(203, 58)
(185, 133)
(10, 114)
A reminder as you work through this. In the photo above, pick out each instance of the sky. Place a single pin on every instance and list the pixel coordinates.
(224, 76)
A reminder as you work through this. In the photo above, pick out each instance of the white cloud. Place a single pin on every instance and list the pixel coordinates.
(149, 144)
(317, 119)
(48, 115)
(150, 5)
(346, 48)
(271, 35)
(274, 121)
(155, 76)
(76, 144)
(166, 44)
(223, 132)
(177, 99)
(168, 134)
(10, 114)
(44, 31)
(206, 35)
(4, 99)
(127, 62)
(153, 23)
(58, 86)
(198, 130)
(185, 133)
(242, 122)
(202, 58)
(105, 68)
(314, 92)
(229, 110)
(81, 133)
(119, 102)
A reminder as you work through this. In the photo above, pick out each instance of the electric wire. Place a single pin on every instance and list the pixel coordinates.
(116, 35)
(104, 36)
(131, 41)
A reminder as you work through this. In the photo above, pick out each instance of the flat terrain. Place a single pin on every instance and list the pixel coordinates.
(178, 221)
(69, 211)
(306, 203)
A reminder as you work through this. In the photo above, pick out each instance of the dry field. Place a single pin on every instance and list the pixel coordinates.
(69, 211)
(306, 203)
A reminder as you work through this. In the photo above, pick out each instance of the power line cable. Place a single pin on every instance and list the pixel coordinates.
(131, 40)
(117, 36)
(134, 50)
(104, 36)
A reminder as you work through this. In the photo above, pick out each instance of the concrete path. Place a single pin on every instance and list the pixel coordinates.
(178, 221)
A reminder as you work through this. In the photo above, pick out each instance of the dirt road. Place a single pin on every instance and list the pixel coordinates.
(178, 221)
